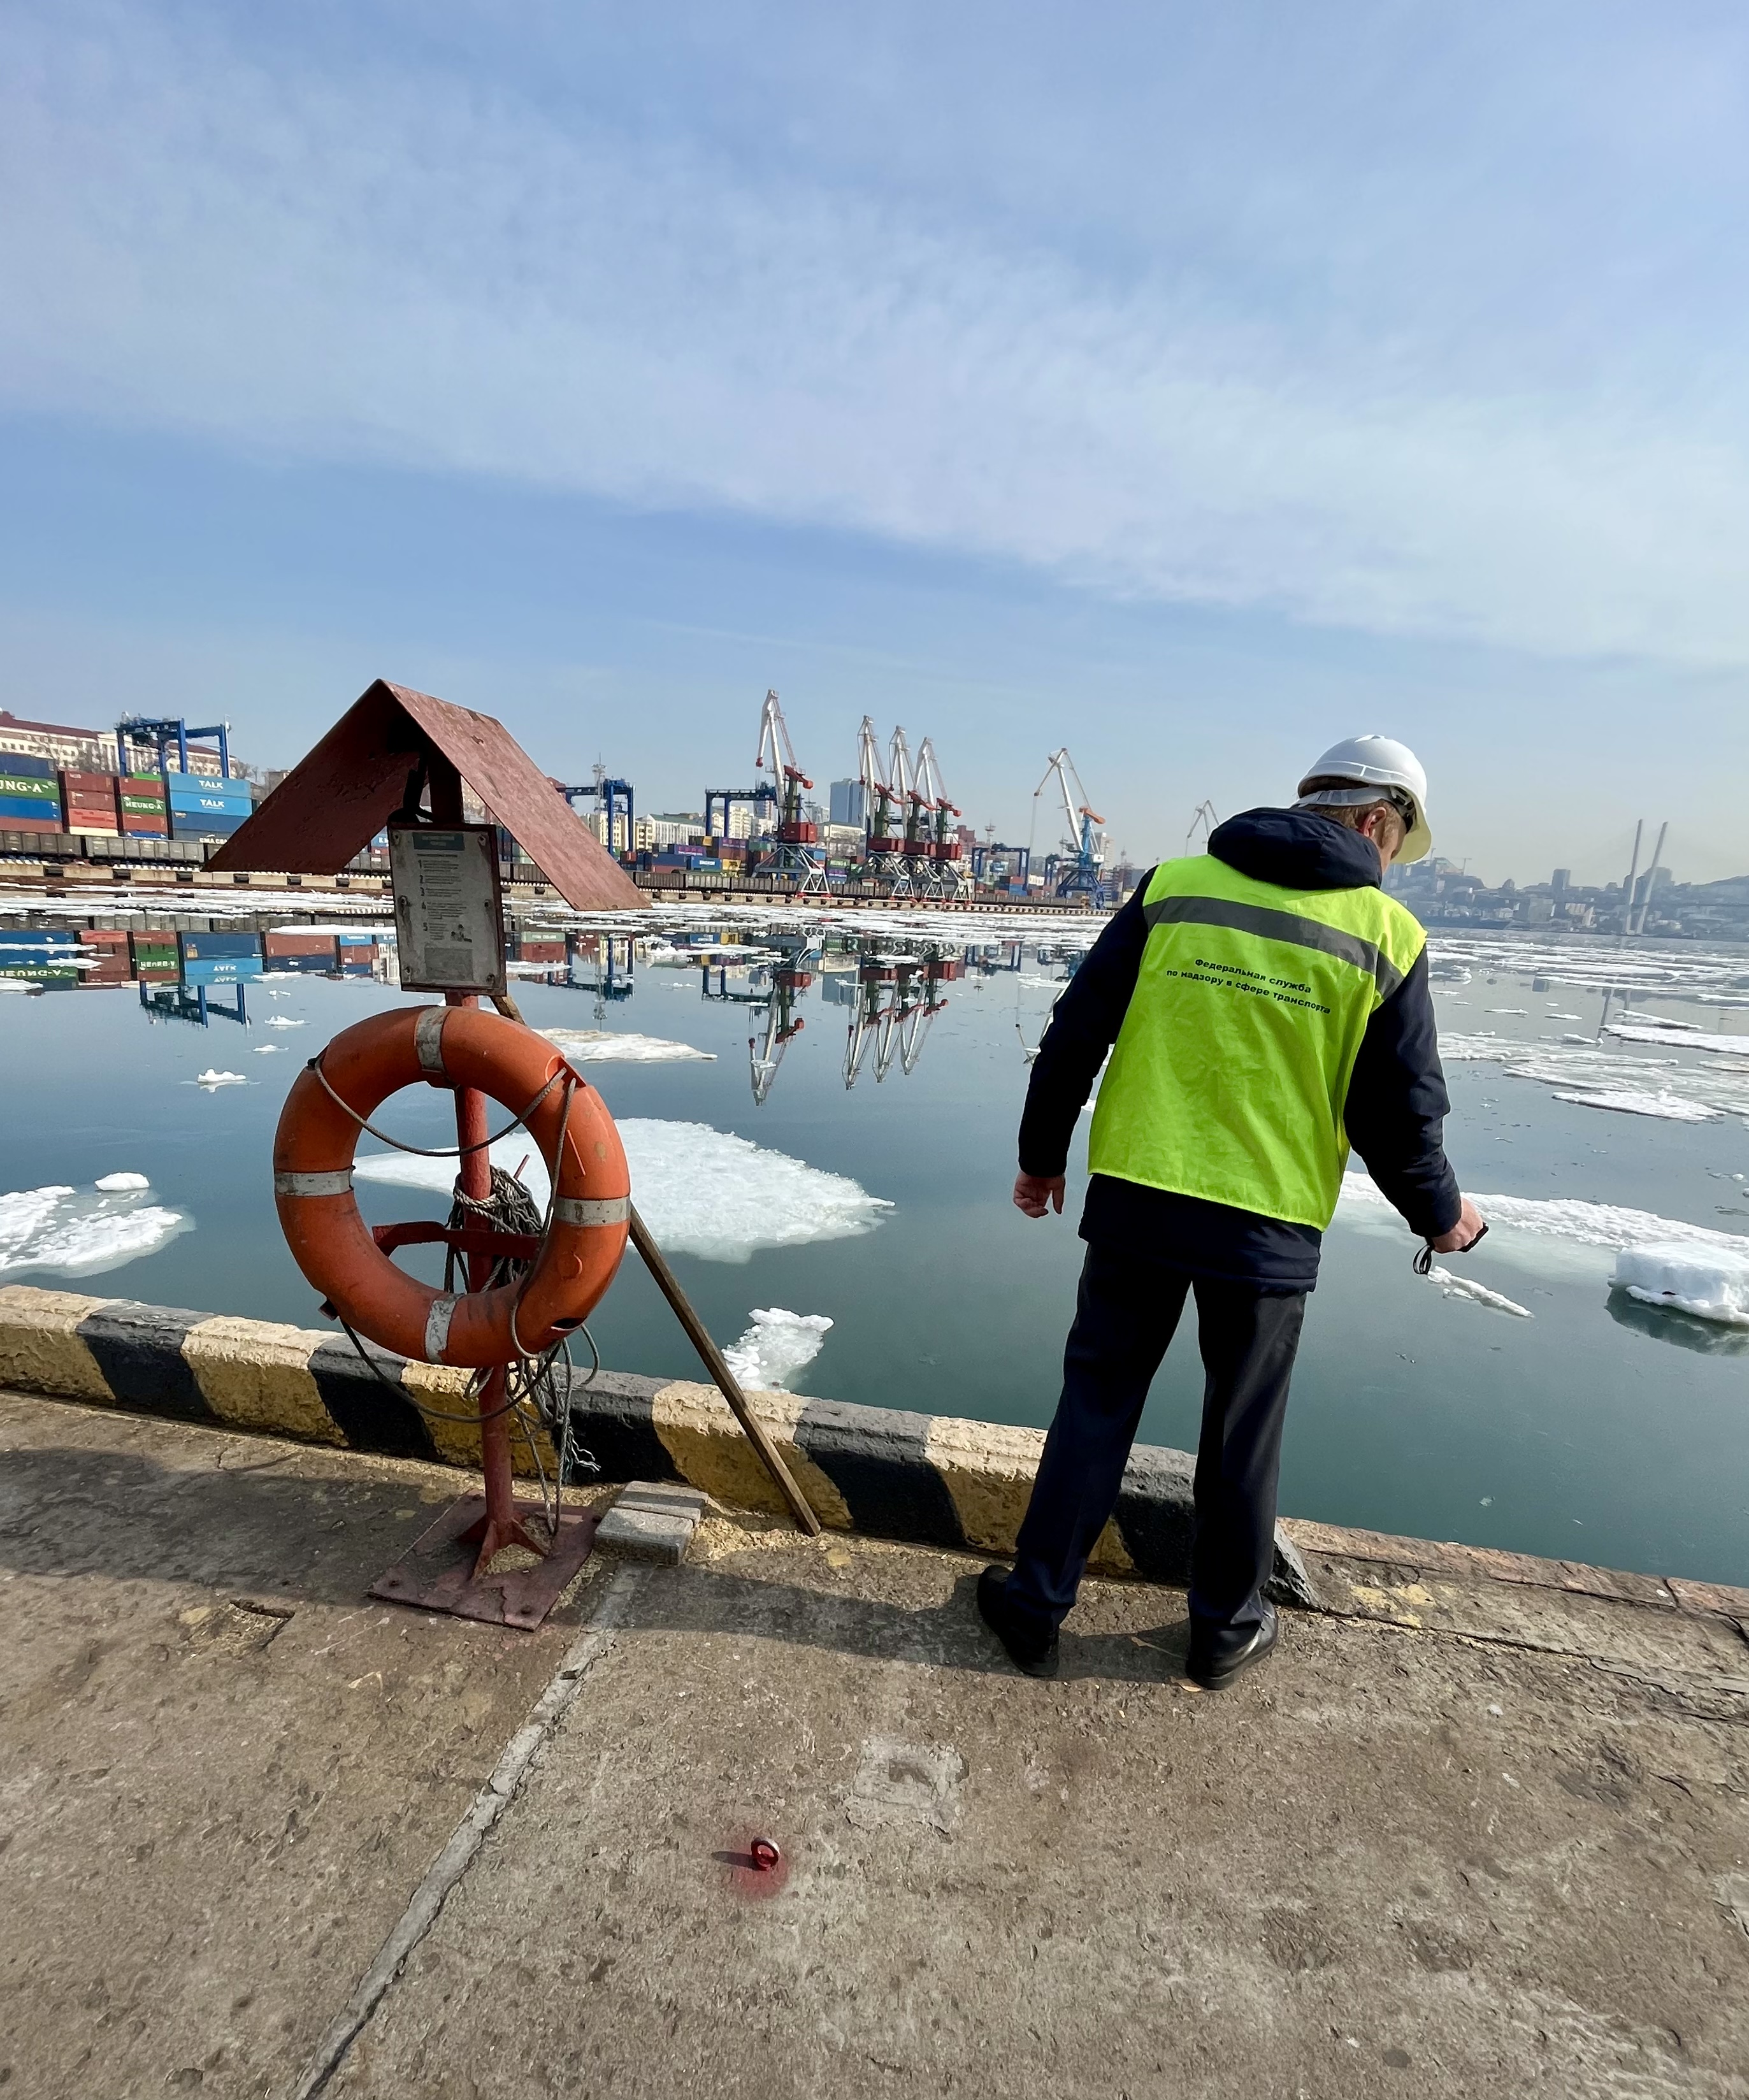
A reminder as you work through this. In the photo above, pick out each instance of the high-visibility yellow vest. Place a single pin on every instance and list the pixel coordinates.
(1230, 1073)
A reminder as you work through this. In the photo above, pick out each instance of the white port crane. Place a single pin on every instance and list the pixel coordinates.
(1085, 840)
(798, 852)
(947, 874)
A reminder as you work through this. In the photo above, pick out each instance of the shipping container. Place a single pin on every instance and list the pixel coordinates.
(201, 791)
(15, 761)
(302, 965)
(205, 823)
(25, 834)
(283, 943)
(143, 827)
(209, 947)
(223, 970)
(154, 957)
(37, 940)
(21, 788)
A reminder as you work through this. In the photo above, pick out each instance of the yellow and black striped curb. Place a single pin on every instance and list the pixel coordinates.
(928, 1480)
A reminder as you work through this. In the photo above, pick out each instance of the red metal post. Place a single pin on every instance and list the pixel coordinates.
(500, 1526)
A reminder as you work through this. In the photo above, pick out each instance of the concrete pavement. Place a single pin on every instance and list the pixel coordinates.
(1461, 1837)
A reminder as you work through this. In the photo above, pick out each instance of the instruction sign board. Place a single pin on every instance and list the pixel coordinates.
(448, 912)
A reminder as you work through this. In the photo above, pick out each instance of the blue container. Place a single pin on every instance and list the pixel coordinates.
(37, 769)
(33, 941)
(303, 966)
(223, 970)
(204, 824)
(206, 790)
(209, 947)
(17, 800)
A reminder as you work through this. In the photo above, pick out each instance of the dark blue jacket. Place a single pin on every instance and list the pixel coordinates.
(1397, 1100)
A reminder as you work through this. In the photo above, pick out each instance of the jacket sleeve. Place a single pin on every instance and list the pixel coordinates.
(1083, 1027)
(1397, 1106)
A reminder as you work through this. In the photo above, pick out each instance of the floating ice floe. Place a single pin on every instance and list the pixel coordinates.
(1710, 1283)
(1627, 1080)
(56, 1228)
(1569, 1218)
(113, 1185)
(269, 1049)
(601, 1046)
(777, 1347)
(1626, 1100)
(1679, 1035)
(700, 1191)
(211, 1079)
(1453, 1286)
(283, 1021)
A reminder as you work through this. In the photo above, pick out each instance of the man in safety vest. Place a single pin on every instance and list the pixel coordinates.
(1270, 1006)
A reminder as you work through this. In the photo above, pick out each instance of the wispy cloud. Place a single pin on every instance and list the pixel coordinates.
(347, 260)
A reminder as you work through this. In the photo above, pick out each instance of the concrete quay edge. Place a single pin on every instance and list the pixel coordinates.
(937, 1480)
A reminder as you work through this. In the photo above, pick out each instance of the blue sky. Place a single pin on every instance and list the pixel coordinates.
(1193, 386)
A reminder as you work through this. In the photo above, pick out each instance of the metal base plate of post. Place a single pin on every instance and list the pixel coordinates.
(436, 1572)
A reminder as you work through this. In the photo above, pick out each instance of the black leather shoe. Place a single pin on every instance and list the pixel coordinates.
(1028, 1647)
(1216, 1658)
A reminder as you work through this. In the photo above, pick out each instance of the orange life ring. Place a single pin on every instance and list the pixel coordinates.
(451, 1047)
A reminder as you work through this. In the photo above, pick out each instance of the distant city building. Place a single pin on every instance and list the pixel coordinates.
(78, 750)
(1562, 881)
(850, 803)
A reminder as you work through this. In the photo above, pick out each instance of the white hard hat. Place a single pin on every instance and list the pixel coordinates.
(1379, 763)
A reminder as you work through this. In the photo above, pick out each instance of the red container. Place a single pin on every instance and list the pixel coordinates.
(143, 827)
(541, 951)
(298, 944)
(34, 827)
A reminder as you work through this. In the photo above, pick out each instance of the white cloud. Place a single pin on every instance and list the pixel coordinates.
(417, 269)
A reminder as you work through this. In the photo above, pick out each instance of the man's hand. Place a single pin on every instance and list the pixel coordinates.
(1462, 1237)
(1036, 1193)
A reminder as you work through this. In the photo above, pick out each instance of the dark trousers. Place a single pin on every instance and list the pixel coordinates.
(1125, 1315)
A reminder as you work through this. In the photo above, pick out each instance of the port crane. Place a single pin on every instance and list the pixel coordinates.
(609, 797)
(789, 977)
(883, 850)
(899, 864)
(798, 852)
(946, 871)
(1203, 819)
(1085, 840)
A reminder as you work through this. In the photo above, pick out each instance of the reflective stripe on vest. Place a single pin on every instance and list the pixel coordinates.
(1230, 1072)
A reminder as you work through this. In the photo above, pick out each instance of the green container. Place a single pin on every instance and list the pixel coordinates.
(35, 791)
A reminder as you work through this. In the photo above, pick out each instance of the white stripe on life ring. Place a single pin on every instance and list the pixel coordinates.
(337, 1181)
(428, 1040)
(592, 1210)
(437, 1328)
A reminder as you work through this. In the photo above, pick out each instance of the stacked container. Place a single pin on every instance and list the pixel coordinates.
(217, 958)
(43, 956)
(106, 954)
(29, 796)
(203, 806)
(154, 957)
(357, 953)
(88, 804)
(145, 813)
(306, 954)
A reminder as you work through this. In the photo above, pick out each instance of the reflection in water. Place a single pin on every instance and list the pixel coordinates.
(1707, 1337)
(192, 1002)
(899, 994)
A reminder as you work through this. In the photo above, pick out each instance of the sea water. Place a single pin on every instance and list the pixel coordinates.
(858, 1240)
